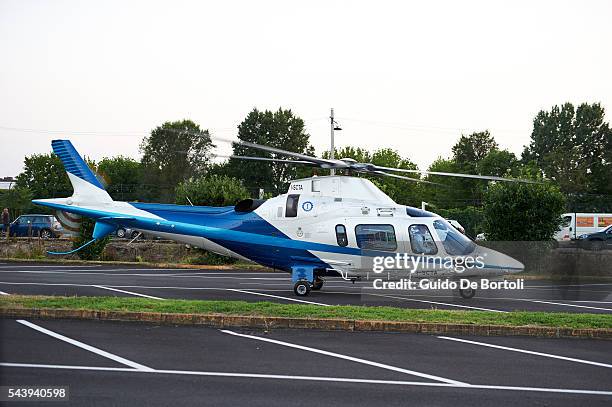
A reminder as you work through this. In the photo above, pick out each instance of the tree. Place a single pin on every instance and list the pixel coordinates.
(573, 147)
(451, 192)
(174, 152)
(522, 212)
(500, 163)
(401, 191)
(213, 190)
(17, 199)
(356, 153)
(44, 176)
(122, 176)
(470, 150)
(280, 129)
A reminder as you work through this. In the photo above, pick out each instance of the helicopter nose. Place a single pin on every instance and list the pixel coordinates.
(500, 261)
(513, 265)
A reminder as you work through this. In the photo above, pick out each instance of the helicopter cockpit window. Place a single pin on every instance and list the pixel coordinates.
(455, 243)
(421, 240)
(376, 237)
(291, 209)
(341, 236)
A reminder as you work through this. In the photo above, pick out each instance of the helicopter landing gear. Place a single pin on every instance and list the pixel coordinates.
(303, 280)
(301, 288)
(467, 293)
(318, 283)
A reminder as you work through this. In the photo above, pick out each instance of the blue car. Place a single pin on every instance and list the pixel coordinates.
(45, 226)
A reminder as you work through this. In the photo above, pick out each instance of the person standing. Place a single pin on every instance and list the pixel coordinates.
(6, 220)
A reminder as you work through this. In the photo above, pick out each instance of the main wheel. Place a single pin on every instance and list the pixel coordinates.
(135, 234)
(120, 233)
(45, 234)
(301, 288)
(318, 283)
(467, 293)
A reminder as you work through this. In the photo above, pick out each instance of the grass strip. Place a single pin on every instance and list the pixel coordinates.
(269, 309)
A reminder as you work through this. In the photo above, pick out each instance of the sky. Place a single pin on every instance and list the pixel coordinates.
(410, 75)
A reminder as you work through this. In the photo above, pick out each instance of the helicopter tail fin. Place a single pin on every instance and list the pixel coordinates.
(87, 187)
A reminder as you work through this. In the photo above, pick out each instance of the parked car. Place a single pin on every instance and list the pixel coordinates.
(45, 226)
(126, 233)
(598, 240)
(578, 224)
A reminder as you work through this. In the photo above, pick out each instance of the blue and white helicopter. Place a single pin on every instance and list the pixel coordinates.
(323, 226)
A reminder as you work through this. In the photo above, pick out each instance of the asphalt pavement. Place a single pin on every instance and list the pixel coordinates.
(116, 363)
(253, 285)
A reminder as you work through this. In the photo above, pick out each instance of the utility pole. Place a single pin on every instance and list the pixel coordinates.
(331, 152)
(333, 126)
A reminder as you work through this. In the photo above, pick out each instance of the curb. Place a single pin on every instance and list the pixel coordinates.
(259, 322)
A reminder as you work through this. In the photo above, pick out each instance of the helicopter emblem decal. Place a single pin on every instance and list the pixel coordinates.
(307, 206)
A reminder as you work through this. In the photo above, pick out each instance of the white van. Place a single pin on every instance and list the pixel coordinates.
(576, 224)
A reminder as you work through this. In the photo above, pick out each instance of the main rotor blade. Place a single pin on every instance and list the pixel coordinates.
(400, 177)
(276, 160)
(459, 175)
(323, 163)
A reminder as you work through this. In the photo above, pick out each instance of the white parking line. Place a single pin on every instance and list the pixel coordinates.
(276, 296)
(568, 305)
(437, 303)
(314, 379)
(3, 293)
(548, 355)
(127, 292)
(351, 358)
(82, 345)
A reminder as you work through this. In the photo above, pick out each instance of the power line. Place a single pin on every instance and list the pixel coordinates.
(408, 126)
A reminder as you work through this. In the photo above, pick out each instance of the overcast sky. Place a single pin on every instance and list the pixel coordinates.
(412, 75)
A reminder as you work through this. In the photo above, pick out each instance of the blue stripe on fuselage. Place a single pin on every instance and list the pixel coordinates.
(214, 216)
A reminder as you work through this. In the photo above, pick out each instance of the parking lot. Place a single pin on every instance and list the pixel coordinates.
(161, 365)
(251, 285)
(114, 363)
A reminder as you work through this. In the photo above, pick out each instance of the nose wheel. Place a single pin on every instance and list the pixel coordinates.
(467, 293)
(302, 288)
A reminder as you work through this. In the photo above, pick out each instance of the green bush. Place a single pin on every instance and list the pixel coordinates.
(205, 257)
(212, 190)
(93, 251)
(522, 212)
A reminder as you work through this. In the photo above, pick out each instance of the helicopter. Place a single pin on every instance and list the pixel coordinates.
(336, 225)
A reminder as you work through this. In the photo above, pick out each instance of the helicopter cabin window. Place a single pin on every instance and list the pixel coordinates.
(376, 237)
(341, 236)
(421, 240)
(291, 209)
